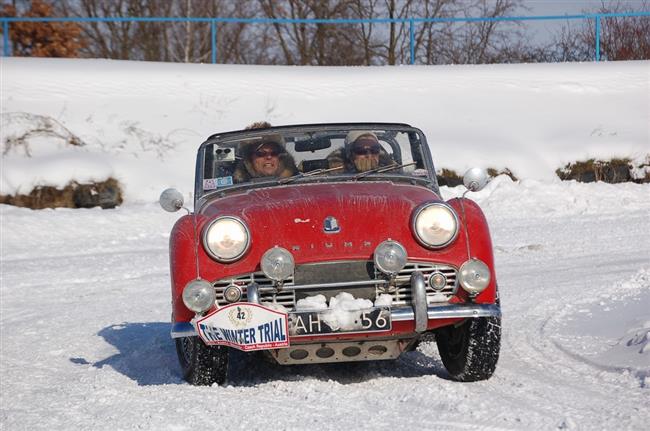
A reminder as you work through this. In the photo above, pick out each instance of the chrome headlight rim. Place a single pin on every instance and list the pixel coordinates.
(204, 239)
(414, 220)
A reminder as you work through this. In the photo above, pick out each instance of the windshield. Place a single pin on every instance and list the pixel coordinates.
(282, 155)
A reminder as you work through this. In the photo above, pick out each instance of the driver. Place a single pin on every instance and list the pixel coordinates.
(264, 158)
(362, 152)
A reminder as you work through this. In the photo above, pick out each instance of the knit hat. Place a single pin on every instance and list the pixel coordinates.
(355, 135)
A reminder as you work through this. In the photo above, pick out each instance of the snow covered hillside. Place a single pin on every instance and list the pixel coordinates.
(142, 122)
(84, 294)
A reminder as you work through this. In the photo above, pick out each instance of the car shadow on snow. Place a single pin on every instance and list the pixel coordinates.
(250, 369)
(147, 355)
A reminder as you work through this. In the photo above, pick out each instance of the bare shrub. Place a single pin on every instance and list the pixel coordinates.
(592, 170)
(20, 127)
(104, 194)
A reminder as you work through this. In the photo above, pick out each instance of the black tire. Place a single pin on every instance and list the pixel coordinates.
(202, 365)
(470, 352)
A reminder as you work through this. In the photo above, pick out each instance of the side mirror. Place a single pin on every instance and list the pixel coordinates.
(171, 200)
(475, 179)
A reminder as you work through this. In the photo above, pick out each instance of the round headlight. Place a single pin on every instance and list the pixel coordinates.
(435, 225)
(226, 239)
(199, 295)
(277, 264)
(390, 257)
(474, 276)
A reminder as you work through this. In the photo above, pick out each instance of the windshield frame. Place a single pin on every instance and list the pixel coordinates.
(200, 194)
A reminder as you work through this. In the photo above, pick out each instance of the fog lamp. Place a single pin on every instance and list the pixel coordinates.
(232, 293)
(198, 295)
(277, 264)
(437, 281)
(474, 276)
(390, 257)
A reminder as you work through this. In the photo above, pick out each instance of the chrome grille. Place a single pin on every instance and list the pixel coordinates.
(286, 297)
(402, 294)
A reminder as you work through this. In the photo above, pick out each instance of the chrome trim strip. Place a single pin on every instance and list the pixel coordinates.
(328, 285)
(452, 311)
(183, 329)
(419, 298)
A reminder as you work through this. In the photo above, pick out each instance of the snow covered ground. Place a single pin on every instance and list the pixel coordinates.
(85, 332)
(84, 294)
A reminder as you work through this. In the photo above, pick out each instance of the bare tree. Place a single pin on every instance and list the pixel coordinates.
(397, 30)
(435, 42)
(621, 38)
(235, 42)
(317, 44)
(475, 42)
(161, 41)
(327, 44)
(572, 43)
(363, 34)
(625, 38)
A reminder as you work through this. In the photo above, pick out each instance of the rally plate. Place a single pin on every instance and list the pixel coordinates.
(306, 323)
(244, 326)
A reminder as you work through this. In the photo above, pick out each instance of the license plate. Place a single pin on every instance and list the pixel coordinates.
(337, 321)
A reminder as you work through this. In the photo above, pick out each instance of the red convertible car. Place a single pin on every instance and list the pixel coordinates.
(329, 243)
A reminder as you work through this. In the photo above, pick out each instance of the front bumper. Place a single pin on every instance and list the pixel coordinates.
(450, 311)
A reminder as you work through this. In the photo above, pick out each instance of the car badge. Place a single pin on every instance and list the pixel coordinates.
(331, 225)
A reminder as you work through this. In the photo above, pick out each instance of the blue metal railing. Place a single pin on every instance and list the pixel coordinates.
(411, 21)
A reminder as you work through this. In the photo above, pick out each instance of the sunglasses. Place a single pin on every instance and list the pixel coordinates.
(272, 153)
(361, 151)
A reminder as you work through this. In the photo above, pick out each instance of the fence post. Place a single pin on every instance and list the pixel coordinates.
(597, 37)
(5, 38)
(213, 28)
(412, 39)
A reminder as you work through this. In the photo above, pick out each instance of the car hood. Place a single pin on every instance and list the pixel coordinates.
(321, 221)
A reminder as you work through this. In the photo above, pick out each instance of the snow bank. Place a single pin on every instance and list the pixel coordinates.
(143, 121)
(554, 198)
(23, 174)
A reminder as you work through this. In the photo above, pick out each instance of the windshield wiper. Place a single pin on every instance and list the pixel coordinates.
(308, 174)
(382, 169)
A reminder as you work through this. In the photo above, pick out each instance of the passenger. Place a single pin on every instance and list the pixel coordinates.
(266, 157)
(362, 152)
